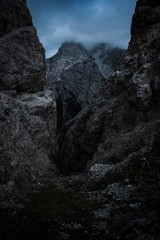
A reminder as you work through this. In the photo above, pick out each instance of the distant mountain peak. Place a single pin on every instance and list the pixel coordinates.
(72, 49)
(107, 57)
(68, 54)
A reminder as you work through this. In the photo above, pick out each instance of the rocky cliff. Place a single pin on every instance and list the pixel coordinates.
(13, 15)
(145, 29)
(74, 78)
(117, 139)
(27, 108)
(77, 89)
(68, 54)
(128, 107)
(22, 63)
(75, 74)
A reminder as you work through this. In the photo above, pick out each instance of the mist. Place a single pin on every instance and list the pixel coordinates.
(85, 21)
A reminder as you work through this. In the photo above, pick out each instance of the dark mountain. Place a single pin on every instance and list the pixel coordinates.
(106, 57)
(77, 89)
(74, 75)
(68, 54)
(128, 104)
(74, 78)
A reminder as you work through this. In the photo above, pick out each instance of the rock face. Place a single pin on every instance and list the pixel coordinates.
(68, 54)
(117, 139)
(146, 25)
(106, 57)
(125, 120)
(77, 89)
(74, 78)
(27, 110)
(22, 65)
(74, 75)
(14, 14)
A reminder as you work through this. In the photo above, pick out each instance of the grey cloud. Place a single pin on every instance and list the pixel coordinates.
(86, 21)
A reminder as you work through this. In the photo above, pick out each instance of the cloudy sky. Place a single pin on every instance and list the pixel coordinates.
(85, 21)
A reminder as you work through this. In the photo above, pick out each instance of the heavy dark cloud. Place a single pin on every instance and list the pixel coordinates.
(86, 21)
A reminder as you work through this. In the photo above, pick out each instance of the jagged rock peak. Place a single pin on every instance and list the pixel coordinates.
(73, 49)
(74, 77)
(68, 54)
(77, 89)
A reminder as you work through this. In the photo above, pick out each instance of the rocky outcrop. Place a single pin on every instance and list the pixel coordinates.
(13, 15)
(107, 57)
(22, 62)
(145, 27)
(68, 54)
(75, 75)
(28, 111)
(128, 109)
(77, 89)
(74, 78)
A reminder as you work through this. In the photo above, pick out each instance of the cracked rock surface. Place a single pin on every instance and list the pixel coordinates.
(27, 108)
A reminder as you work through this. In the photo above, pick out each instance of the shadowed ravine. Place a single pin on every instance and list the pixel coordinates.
(94, 174)
(120, 206)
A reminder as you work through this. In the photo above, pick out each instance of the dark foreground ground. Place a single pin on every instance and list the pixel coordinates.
(121, 205)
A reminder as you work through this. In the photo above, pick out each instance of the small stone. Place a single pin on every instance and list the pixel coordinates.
(1, 149)
(15, 162)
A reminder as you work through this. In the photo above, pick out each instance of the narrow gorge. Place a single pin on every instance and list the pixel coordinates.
(79, 133)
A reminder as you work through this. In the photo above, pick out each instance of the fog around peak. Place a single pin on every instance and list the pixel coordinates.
(85, 21)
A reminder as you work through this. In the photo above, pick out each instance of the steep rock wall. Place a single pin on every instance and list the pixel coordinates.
(22, 62)
(27, 108)
(77, 89)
